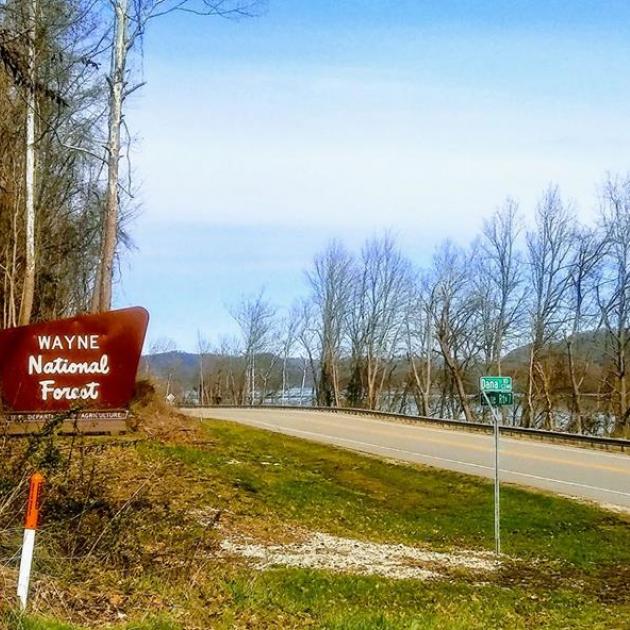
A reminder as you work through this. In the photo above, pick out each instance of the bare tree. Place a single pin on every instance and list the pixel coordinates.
(581, 305)
(165, 346)
(289, 332)
(43, 47)
(330, 281)
(203, 348)
(454, 312)
(380, 297)
(419, 340)
(255, 318)
(229, 379)
(614, 293)
(308, 340)
(161, 345)
(499, 281)
(130, 21)
(28, 287)
(549, 248)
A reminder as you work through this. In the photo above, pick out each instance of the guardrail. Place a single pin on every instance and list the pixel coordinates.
(556, 436)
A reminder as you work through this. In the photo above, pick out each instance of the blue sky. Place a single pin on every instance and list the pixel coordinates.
(261, 139)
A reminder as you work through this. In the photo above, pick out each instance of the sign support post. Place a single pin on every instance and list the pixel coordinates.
(500, 388)
(497, 496)
(28, 544)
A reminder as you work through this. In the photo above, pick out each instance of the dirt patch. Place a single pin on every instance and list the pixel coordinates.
(323, 551)
(611, 586)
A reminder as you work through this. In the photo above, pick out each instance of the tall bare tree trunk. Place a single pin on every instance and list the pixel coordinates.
(202, 385)
(528, 412)
(103, 290)
(252, 381)
(426, 391)
(28, 288)
(455, 371)
(544, 380)
(303, 383)
(578, 420)
(372, 373)
(11, 318)
(423, 402)
(422, 385)
(622, 386)
(284, 379)
(335, 383)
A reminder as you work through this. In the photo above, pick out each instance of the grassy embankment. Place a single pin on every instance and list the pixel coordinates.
(133, 531)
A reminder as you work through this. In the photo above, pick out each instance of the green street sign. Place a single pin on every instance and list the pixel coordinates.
(497, 399)
(495, 384)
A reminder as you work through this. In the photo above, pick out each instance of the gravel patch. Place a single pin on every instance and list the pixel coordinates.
(323, 551)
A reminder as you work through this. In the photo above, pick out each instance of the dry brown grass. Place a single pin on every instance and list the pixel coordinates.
(110, 517)
(152, 417)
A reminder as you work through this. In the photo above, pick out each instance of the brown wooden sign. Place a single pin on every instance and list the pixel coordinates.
(84, 365)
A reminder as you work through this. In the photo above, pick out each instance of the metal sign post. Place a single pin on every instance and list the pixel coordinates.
(500, 390)
(497, 503)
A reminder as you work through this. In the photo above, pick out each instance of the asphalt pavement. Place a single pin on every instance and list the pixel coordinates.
(594, 474)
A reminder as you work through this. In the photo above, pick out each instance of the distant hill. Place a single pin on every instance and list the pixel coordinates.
(589, 345)
(184, 366)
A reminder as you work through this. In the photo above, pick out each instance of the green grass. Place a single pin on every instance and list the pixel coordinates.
(569, 568)
(368, 602)
(296, 598)
(344, 493)
(36, 622)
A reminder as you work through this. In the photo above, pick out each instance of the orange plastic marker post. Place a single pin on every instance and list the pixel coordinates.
(34, 501)
(28, 544)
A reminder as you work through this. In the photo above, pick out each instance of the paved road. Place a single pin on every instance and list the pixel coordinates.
(590, 474)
